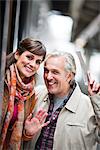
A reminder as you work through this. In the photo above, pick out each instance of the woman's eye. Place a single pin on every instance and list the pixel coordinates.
(38, 62)
(29, 57)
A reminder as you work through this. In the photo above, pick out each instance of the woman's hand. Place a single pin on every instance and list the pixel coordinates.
(93, 87)
(36, 123)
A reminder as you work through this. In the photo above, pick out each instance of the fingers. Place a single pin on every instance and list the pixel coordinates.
(41, 115)
(45, 124)
(36, 97)
(33, 125)
(29, 117)
(93, 87)
(90, 80)
(40, 112)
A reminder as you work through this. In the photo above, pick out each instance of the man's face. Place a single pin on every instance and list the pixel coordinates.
(55, 76)
(28, 63)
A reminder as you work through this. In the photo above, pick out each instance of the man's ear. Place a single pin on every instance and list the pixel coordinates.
(69, 77)
(16, 55)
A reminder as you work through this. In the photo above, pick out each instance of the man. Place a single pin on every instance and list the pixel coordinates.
(74, 121)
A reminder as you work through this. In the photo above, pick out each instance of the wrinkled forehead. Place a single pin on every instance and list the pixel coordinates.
(57, 62)
(54, 57)
(64, 60)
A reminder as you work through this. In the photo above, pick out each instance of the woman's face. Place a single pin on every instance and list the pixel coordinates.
(27, 63)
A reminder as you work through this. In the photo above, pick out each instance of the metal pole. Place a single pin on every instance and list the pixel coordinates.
(3, 51)
(88, 32)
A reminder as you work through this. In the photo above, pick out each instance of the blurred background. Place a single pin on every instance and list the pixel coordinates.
(67, 25)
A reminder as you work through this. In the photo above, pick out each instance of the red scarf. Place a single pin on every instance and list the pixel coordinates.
(22, 92)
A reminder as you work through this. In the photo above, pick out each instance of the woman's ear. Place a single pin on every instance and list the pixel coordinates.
(16, 55)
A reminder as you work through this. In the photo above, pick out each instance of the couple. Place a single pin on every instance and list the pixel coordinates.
(58, 117)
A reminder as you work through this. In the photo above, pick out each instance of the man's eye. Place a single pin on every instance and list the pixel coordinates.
(46, 70)
(55, 72)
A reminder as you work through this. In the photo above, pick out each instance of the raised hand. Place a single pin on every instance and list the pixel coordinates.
(93, 87)
(36, 123)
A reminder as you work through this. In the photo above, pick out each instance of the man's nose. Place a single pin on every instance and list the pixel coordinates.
(49, 76)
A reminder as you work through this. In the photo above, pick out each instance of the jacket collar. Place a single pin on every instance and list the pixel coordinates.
(74, 100)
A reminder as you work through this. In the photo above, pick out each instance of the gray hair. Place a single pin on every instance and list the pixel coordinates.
(70, 64)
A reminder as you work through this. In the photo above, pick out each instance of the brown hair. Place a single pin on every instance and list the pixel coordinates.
(28, 44)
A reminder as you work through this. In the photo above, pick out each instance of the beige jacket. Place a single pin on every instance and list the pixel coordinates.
(77, 127)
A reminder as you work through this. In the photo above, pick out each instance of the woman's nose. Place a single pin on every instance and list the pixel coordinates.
(33, 64)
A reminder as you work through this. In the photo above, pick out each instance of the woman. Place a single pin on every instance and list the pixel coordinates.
(19, 95)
